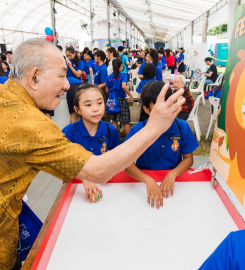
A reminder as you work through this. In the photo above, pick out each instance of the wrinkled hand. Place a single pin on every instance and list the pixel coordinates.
(154, 194)
(164, 112)
(167, 185)
(92, 191)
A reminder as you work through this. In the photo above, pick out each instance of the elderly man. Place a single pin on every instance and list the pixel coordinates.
(30, 142)
(179, 83)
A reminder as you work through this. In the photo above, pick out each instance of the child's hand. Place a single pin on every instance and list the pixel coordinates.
(154, 193)
(68, 63)
(167, 184)
(92, 191)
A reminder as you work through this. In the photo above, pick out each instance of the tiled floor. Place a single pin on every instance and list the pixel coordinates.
(45, 187)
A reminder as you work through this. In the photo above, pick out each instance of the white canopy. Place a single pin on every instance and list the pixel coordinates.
(155, 19)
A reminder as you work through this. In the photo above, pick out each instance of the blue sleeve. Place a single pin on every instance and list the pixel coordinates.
(69, 132)
(80, 66)
(104, 75)
(114, 137)
(140, 87)
(124, 78)
(107, 84)
(90, 64)
(229, 255)
(141, 69)
(188, 142)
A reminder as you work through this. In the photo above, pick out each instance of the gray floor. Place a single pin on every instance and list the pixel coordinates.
(45, 187)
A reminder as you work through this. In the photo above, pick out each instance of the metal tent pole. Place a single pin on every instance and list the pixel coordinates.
(91, 24)
(53, 20)
(109, 19)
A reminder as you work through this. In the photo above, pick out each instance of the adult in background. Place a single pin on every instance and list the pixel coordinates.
(142, 57)
(170, 60)
(9, 57)
(211, 72)
(6, 68)
(179, 83)
(124, 59)
(30, 142)
(111, 54)
(3, 77)
(74, 72)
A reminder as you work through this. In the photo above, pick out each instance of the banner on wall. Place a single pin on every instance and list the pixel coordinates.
(228, 145)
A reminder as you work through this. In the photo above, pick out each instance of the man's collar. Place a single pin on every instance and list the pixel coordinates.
(20, 91)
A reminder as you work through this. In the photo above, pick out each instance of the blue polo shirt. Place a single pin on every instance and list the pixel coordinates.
(181, 57)
(85, 66)
(140, 59)
(143, 83)
(73, 80)
(92, 64)
(159, 69)
(124, 59)
(79, 66)
(165, 152)
(164, 62)
(101, 75)
(3, 79)
(7, 73)
(98, 144)
(116, 84)
(229, 255)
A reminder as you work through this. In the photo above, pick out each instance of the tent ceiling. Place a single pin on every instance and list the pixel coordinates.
(158, 19)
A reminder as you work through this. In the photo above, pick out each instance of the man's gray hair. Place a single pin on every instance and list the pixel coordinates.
(30, 54)
(182, 78)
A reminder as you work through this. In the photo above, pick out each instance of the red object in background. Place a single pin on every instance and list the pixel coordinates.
(57, 35)
(49, 38)
(84, 75)
(170, 61)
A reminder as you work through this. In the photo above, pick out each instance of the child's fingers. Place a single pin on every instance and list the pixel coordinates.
(161, 200)
(167, 191)
(152, 200)
(100, 192)
(157, 202)
(172, 190)
(95, 195)
(148, 198)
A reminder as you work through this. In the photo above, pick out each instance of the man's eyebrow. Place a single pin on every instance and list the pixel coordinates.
(64, 68)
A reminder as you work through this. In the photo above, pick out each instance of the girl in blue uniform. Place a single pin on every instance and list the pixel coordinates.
(3, 77)
(152, 57)
(180, 65)
(6, 68)
(149, 73)
(117, 82)
(93, 134)
(101, 75)
(92, 66)
(173, 150)
(74, 72)
(163, 60)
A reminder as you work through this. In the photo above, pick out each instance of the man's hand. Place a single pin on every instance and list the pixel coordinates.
(164, 112)
(201, 72)
(167, 184)
(154, 194)
(92, 191)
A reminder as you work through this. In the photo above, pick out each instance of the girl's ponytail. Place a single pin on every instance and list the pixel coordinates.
(116, 63)
(154, 56)
(90, 54)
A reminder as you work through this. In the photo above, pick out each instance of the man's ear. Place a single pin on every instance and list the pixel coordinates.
(33, 78)
(146, 110)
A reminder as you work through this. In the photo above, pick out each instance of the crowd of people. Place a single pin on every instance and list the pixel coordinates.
(161, 140)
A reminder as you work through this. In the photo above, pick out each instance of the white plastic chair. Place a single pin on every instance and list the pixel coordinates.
(194, 118)
(215, 103)
(217, 82)
(186, 72)
(200, 90)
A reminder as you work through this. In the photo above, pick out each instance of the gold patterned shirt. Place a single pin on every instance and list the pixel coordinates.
(29, 142)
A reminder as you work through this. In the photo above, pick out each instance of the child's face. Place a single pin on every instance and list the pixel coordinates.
(96, 59)
(70, 55)
(91, 106)
(4, 66)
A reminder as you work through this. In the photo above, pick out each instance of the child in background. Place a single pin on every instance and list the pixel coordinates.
(91, 67)
(138, 63)
(90, 132)
(3, 77)
(6, 68)
(167, 152)
(74, 72)
(149, 73)
(134, 73)
(117, 82)
(162, 60)
(101, 75)
(180, 65)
